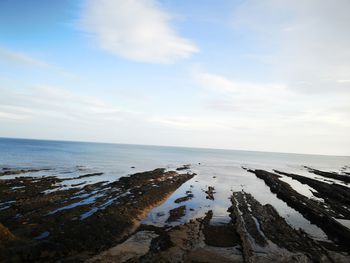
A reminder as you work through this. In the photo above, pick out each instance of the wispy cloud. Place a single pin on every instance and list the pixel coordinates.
(215, 82)
(253, 103)
(14, 57)
(10, 116)
(188, 122)
(227, 94)
(11, 56)
(135, 29)
(222, 84)
(41, 102)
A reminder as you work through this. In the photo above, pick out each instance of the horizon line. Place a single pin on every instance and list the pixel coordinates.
(173, 146)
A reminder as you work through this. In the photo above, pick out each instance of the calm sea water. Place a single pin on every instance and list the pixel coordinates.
(219, 168)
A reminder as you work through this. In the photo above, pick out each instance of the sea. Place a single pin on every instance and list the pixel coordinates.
(221, 169)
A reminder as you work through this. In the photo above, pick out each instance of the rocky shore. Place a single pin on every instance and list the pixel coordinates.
(256, 233)
(316, 212)
(101, 222)
(74, 224)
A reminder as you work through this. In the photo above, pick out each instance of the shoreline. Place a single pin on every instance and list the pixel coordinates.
(103, 221)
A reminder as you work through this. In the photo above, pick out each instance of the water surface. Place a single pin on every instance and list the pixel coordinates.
(221, 169)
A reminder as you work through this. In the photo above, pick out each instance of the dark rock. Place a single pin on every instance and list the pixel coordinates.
(184, 167)
(257, 224)
(222, 235)
(335, 195)
(210, 193)
(184, 198)
(176, 213)
(333, 175)
(107, 218)
(87, 175)
(312, 210)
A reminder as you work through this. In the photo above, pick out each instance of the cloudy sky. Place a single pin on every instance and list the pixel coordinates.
(263, 75)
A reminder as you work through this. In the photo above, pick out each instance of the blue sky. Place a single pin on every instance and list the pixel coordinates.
(253, 75)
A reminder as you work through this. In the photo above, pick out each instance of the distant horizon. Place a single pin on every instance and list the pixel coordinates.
(169, 146)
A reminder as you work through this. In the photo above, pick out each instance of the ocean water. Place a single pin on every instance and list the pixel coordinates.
(221, 169)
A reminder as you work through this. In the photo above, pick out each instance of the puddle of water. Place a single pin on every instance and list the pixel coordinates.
(303, 189)
(86, 201)
(344, 222)
(6, 205)
(227, 179)
(42, 235)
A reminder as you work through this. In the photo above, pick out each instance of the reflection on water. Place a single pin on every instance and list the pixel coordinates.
(227, 179)
(221, 169)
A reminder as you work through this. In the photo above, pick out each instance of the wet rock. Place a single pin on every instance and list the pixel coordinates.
(219, 235)
(335, 195)
(183, 239)
(86, 220)
(261, 229)
(333, 175)
(310, 209)
(42, 235)
(159, 214)
(184, 198)
(186, 243)
(210, 254)
(176, 213)
(78, 184)
(130, 250)
(8, 171)
(184, 167)
(88, 175)
(210, 193)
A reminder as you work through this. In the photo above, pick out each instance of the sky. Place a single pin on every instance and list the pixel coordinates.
(263, 75)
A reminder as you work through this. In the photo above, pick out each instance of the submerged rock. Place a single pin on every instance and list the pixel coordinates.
(87, 175)
(9, 171)
(184, 198)
(184, 167)
(176, 213)
(210, 193)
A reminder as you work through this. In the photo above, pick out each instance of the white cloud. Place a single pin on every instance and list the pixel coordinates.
(47, 102)
(268, 108)
(135, 29)
(226, 94)
(302, 41)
